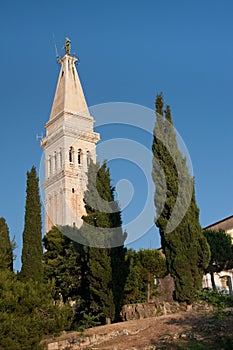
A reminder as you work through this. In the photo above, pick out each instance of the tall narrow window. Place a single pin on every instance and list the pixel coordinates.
(55, 207)
(88, 158)
(79, 156)
(55, 161)
(49, 166)
(60, 157)
(71, 155)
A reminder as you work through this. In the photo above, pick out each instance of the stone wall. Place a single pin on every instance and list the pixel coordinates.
(139, 311)
(75, 341)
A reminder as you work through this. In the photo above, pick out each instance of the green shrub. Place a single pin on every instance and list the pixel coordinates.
(219, 300)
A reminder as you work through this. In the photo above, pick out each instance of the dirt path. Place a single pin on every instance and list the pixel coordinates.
(148, 332)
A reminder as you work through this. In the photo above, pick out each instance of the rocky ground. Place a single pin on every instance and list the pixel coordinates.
(184, 330)
(194, 330)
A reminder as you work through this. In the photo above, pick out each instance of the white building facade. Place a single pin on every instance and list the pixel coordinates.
(224, 279)
(69, 144)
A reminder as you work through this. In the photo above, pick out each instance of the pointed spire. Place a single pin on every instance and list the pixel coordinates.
(69, 96)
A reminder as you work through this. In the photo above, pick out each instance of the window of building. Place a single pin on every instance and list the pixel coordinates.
(79, 156)
(55, 161)
(49, 166)
(88, 158)
(60, 157)
(71, 155)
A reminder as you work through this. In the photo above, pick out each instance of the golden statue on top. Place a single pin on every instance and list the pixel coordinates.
(67, 46)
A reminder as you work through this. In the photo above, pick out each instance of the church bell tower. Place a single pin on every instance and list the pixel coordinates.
(69, 145)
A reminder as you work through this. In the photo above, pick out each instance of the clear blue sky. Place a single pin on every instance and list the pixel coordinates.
(129, 51)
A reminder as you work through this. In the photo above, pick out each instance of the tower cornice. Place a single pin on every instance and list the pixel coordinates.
(66, 114)
(68, 131)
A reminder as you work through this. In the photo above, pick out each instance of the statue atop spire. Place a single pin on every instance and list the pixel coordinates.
(67, 46)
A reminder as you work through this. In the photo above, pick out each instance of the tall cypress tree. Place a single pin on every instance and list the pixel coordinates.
(32, 236)
(120, 268)
(186, 249)
(62, 264)
(106, 270)
(6, 254)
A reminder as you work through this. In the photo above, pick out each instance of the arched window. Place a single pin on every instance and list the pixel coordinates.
(60, 157)
(71, 155)
(49, 166)
(55, 209)
(79, 156)
(88, 158)
(55, 161)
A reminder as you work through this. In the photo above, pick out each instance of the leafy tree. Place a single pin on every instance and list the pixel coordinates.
(6, 253)
(28, 313)
(221, 252)
(32, 236)
(185, 247)
(153, 265)
(145, 266)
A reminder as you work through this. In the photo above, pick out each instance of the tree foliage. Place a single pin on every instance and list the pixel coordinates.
(221, 252)
(135, 286)
(153, 265)
(106, 271)
(27, 313)
(88, 264)
(144, 267)
(62, 264)
(185, 247)
(100, 300)
(6, 253)
(27, 310)
(32, 235)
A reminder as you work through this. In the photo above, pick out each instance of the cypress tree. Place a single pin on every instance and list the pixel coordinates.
(135, 286)
(62, 264)
(32, 236)
(120, 268)
(6, 254)
(102, 227)
(185, 247)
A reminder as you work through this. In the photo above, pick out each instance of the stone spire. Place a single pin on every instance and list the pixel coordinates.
(69, 96)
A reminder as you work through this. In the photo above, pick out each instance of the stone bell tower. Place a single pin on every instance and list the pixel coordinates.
(69, 144)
